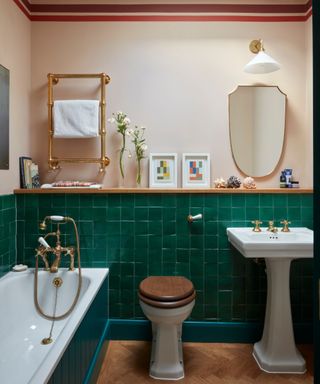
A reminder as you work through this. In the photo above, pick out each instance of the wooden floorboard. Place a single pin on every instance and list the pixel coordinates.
(126, 362)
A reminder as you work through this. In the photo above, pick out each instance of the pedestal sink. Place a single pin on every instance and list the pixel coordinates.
(276, 352)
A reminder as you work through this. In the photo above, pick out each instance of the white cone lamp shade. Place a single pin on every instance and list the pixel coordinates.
(261, 63)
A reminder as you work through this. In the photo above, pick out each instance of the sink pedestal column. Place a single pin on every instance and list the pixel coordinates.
(276, 352)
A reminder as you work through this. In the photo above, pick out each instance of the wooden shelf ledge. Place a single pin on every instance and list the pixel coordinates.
(160, 190)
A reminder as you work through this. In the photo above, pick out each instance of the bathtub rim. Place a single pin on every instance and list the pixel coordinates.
(96, 276)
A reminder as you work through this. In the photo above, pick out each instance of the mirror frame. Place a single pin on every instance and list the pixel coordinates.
(284, 130)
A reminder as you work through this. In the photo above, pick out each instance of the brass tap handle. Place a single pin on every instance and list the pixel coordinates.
(285, 225)
(257, 224)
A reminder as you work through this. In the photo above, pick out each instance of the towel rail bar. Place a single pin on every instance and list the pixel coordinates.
(103, 160)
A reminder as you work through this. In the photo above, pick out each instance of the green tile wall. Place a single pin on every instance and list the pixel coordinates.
(7, 233)
(137, 235)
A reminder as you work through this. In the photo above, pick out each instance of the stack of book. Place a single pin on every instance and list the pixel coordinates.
(29, 173)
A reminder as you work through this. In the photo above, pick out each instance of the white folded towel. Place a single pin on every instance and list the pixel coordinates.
(76, 118)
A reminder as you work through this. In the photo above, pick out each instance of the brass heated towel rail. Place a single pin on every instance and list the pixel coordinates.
(103, 160)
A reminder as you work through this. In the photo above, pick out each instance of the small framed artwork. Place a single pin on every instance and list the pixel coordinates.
(163, 170)
(196, 170)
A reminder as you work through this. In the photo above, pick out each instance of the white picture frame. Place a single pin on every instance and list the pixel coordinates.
(163, 170)
(196, 175)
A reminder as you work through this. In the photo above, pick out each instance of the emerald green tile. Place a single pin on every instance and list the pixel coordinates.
(196, 200)
(252, 200)
(127, 200)
(113, 213)
(113, 228)
(183, 256)
(183, 241)
(294, 213)
(224, 213)
(211, 228)
(127, 240)
(210, 214)
(127, 256)
(99, 213)
(266, 214)
(169, 256)
(182, 269)
(266, 200)
(224, 201)
(99, 227)
(211, 269)
(280, 213)
(155, 200)
(155, 214)
(307, 214)
(141, 228)
(155, 242)
(85, 228)
(114, 200)
(141, 214)
(32, 201)
(238, 213)
(141, 269)
(196, 241)
(280, 200)
(183, 200)
(211, 200)
(238, 200)
(72, 200)
(294, 200)
(127, 214)
(113, 241)
(210, 255)
(225, 298)
(141, 200)
(100, 200)
(196, 228)
(307, 200)
(86, 201)
(169, 200)
(99, 242)
(155, 227)
(169, 241)
(86, 213)
(211, 242)
(252, 213)
(127, 227)
(168, 214)
(169, 227)
(141, 241)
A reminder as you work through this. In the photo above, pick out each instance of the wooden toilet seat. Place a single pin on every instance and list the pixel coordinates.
(166, 291)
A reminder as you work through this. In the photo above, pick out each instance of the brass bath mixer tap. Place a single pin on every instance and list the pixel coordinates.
(58, 250)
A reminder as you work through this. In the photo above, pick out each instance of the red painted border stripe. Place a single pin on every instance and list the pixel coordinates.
(154, 18)
(169, 8)
(22, 8)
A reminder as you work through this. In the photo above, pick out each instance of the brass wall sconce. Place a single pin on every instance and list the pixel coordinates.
(261, 63)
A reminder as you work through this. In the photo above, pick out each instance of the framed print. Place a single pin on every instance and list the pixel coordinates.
(163, 170)
(196, 170)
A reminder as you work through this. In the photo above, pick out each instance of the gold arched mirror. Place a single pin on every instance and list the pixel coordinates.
(257, 127)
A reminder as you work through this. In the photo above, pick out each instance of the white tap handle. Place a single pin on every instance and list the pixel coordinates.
(56, 218)
(43, 242)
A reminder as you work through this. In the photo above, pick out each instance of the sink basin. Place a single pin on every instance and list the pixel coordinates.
(298, 243)
(276, 352)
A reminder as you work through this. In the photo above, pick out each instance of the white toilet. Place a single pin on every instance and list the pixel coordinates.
(166, 301)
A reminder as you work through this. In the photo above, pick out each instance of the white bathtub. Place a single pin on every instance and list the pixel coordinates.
(23, 359)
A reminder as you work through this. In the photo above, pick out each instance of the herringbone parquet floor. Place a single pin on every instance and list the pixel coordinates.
(126, 362)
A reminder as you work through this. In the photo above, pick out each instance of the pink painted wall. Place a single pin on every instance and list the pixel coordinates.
(15, 54)
(174, 78)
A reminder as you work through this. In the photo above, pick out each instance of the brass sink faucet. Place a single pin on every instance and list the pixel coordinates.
(271, 227)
